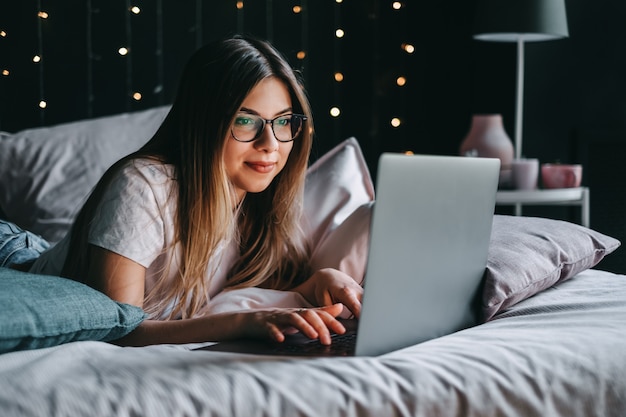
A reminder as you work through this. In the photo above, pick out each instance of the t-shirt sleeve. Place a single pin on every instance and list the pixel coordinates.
(130, 218)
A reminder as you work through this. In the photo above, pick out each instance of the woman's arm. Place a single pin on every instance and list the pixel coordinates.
(123, 280)
(317, 323)
(117, 276)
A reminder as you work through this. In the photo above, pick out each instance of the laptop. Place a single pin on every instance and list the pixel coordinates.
(429, 239)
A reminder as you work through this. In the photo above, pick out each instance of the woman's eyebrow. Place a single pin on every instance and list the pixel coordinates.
(250, 111)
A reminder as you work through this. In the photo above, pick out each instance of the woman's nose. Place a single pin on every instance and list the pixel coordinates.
(267, 141)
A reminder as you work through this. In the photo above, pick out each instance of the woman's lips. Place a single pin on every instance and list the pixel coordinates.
(261, 167)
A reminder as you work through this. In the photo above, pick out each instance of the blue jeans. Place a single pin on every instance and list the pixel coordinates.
(19, 247)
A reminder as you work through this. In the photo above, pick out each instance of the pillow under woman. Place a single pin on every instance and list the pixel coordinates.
(227, 166)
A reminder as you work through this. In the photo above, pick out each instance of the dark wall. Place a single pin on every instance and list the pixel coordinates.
(575, 90)
(82, 74)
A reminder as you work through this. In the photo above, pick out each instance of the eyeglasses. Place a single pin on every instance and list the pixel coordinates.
(249, 127)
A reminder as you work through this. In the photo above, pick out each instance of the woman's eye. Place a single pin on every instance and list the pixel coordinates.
(283, 121)
(244, 121)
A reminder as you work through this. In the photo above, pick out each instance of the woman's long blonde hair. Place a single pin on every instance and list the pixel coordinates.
(273, 250)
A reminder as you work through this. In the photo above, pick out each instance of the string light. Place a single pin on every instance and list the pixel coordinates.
(301, 55)
(37, 59)
(335, 112)
(397, 5)
(396, 122)
(122, 51)
(3, 34)
(338, 77)
(135, 10)
(408, 48)
(137, 96)
(297, 9)
(240, 5)
(401, 81)
(5, 72)
(339, 33)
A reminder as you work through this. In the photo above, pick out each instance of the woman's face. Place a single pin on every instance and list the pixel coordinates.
(251, 166)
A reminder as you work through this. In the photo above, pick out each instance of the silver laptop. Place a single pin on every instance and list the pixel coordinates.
(429, 238)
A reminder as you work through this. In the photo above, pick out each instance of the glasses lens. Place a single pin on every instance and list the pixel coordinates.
(246, 127)
(286, 127)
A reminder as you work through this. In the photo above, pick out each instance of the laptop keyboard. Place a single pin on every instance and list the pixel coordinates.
(342, 345)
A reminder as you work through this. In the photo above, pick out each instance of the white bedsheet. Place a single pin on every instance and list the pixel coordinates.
(560, 353)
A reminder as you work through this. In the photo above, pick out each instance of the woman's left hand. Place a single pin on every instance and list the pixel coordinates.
(329, 286)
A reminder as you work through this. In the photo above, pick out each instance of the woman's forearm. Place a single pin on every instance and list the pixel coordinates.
(266, 324)
(201, 329)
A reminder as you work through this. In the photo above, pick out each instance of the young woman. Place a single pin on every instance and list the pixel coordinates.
(226, 168)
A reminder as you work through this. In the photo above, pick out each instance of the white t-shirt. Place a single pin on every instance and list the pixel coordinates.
(135, 219)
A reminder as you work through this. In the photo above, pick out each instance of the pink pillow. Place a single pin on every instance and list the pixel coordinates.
(337, 184)
(346, 247)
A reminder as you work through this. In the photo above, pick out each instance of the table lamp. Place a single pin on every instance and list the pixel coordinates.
(520, 21)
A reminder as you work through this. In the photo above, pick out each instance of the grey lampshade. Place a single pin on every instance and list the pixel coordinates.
(510, 20)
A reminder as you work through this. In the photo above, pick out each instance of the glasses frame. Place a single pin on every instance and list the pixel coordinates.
(271, 123)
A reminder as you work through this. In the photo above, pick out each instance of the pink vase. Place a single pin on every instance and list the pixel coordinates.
(487, 138)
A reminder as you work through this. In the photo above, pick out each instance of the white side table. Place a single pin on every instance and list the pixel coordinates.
(560, 196)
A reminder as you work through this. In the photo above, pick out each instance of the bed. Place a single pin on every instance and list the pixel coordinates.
(551, 341)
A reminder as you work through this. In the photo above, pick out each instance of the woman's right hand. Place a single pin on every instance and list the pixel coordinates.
(315, 323)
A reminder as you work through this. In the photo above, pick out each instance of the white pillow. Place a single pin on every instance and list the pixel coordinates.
(46, 173)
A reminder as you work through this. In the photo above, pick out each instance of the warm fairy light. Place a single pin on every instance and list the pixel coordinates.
(338, 1)
(36, 58)
(395, 122)
(408, 48)
(301, 55)
(43, 104)
(396, 5)
(401, 81)
(3, 33)
(43, 15)
(137, 96)
(409, 153)
(135, 9)
(240, 5)
(338, 77)
(297, 9)
(122, 51)
(335, 112)
(339, 33)
(5, 72)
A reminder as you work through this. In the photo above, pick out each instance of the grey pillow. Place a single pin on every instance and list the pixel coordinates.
(46, 173)
(529, 254)
(39, 311)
